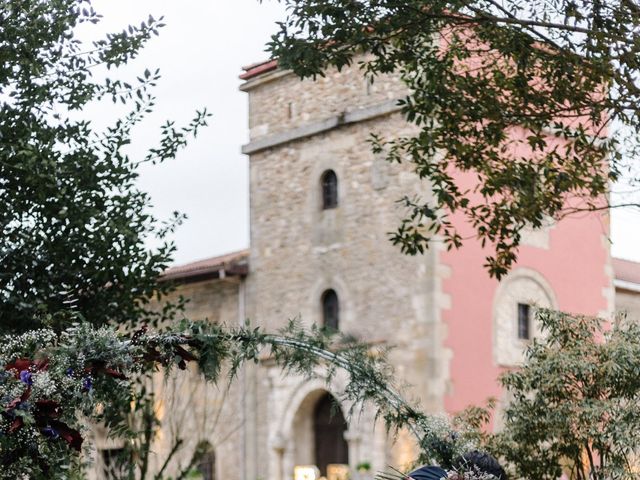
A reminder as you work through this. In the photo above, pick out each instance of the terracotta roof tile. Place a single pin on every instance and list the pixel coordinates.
(259, 68)
(231, 264)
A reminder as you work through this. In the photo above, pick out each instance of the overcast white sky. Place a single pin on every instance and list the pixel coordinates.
(200, 53)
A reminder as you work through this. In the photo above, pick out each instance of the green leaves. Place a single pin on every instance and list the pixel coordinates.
(575, 402)
(74, 228)
(73, 222)
(520, 95)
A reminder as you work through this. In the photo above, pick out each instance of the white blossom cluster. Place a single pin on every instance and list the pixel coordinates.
(440, 430)
(44, 385)
(29, 342)
(473, 474)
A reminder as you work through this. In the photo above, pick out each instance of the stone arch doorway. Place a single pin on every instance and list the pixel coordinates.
(317, 435)
(329, 427)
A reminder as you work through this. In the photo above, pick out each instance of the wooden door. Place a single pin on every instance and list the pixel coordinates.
(329, 426)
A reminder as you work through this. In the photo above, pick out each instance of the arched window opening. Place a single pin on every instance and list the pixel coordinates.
(515, 303)
(330, 310)
(207, 466)
(329, 426)
(329, 183)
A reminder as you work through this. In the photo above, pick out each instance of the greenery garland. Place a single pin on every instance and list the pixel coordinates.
(52, 385)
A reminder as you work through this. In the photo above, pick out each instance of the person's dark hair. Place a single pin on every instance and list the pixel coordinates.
(428, 472)
(484, 462)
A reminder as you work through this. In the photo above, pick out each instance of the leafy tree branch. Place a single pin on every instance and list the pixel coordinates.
(535, 101)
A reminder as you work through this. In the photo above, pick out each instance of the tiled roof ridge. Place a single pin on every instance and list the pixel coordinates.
(255, 69)
(234, 263)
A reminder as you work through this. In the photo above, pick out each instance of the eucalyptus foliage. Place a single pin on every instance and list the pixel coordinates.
(73, 223)
(52, 384)
(519, 95)
(575, 403)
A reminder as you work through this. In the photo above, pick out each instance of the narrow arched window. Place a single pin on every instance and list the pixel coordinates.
(524, 321)
(207, 466)
(329, 182)
(330, 310)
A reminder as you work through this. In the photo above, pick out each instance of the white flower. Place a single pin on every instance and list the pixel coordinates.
(43, 384)
(473, 474)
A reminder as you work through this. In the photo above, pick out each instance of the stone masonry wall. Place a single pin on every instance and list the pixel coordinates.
(299, 250)
(280, 101)
(213, 300)
(628, 303)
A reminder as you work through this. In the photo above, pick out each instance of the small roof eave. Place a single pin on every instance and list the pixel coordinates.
(235, 264)
(257, 69)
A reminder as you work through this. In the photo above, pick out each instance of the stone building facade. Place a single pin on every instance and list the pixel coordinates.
(321, 207)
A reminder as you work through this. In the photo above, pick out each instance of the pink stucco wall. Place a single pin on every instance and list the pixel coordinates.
(575, 265)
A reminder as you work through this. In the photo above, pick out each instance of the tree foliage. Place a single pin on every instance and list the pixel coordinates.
(518, 95)
(575, 403)
(73, 223)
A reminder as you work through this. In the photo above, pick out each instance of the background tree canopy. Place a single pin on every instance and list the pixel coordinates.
(521, 95)
(73, 223)
(574, 405)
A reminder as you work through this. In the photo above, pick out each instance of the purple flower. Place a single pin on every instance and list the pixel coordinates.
(50, 432)
(69, 372)
(87, 384)
(25, 377)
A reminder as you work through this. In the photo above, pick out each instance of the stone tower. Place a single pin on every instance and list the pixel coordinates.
(321, 206)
